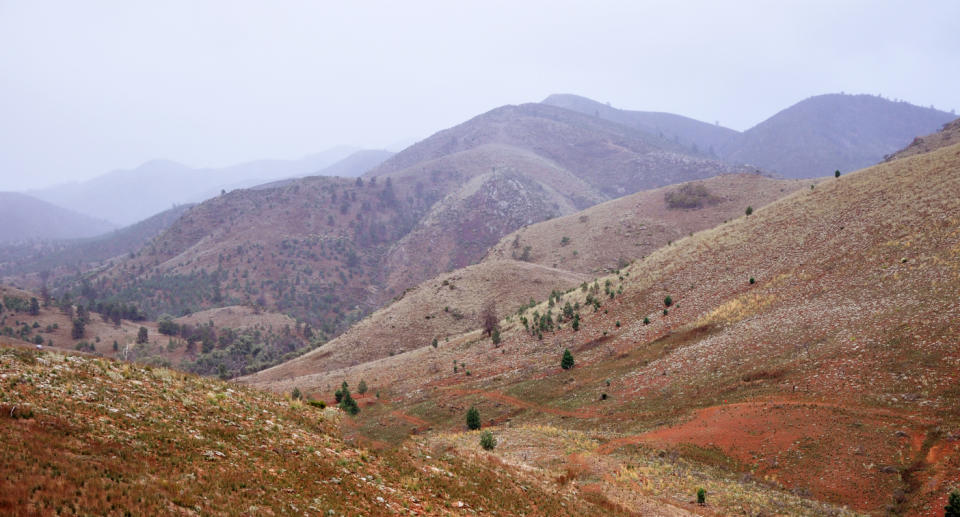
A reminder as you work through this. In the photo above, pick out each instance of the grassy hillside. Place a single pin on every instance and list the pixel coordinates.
(612, 234)
(92, 436)
(806, 352)
(531, 263)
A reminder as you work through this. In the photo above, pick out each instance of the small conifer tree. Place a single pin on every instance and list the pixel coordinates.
(362, 387)
(749, 210)
(487, 441)
(567, 361)
(473, 418)
(701, 496)
(836, 174)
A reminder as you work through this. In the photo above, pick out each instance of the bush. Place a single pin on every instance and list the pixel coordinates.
(362, 387)
(296, 395)
(317, 404)
(495, 336)
(646, 320)
(142, 336)
(668, 301)
(749, 210)
(836, 173)
(487, 441)
(435, 343)
(953, 505)
(701, 496)
(567, 361)
(752, 281)
(690, 196)
(473, 419)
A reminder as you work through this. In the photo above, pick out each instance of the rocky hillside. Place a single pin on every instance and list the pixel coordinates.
(92, 436)
(947, 136)
(812, 138)
(25, 219)
(804, 349)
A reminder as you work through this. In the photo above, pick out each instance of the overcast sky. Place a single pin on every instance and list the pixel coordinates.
(87, 87)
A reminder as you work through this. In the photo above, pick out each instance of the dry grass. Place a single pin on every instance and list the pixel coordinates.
(86, 436)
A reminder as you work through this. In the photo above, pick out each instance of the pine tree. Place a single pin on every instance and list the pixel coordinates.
(142, 336)
(567, 361)
(473, 418)
(34, 307)
(362, 387)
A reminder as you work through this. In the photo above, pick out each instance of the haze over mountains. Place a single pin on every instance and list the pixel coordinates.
(127, 196)
(28, 219)
(809, 139)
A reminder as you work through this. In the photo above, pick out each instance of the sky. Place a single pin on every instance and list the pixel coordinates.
(89, 87)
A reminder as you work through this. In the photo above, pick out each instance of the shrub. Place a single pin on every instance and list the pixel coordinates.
(576, 322)
(346, 401)
(668, 301)
(362, 387)
(489, 320)
(752, 281)
(690, 196)
(495, 336)
(473, 418)
(749, 210)
(317, 404)
(567, 361)
(646, 320)
(487, 441)
(836, 173)
(665, 312)
(296, 395)
(435, 343)
(617, 323)
(142, 336)
(953, 505)
(701, 496)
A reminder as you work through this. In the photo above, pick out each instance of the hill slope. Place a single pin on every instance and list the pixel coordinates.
(25, 218)
(831, 376)
(93, 436)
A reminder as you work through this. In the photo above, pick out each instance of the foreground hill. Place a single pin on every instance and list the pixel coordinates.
(92, 436)
(811, 138)
(808, 347)
(25, 218)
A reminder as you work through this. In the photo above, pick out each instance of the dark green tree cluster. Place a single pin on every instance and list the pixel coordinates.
(345, 401)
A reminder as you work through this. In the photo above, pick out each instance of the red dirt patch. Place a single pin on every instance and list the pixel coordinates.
(798, 444)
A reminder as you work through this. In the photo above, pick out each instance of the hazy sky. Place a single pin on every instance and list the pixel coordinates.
(86, 87)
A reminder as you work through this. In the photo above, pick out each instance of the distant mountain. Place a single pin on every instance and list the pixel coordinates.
(828, 132)
(697, 135)
(25, 218)
(357, 163)
(61, 257)
(130, 195)
(809, 139)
